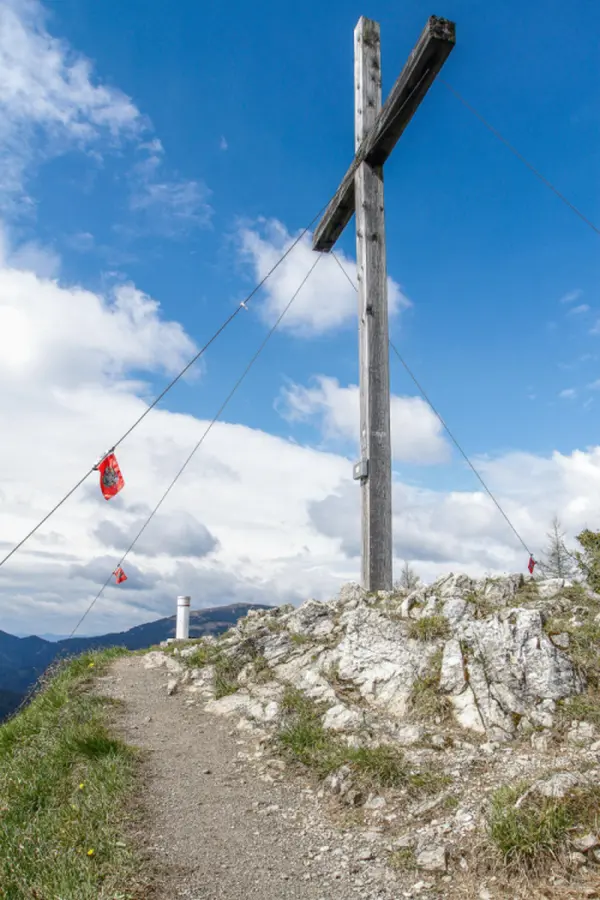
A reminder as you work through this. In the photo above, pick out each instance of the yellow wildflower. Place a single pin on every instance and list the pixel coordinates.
(90, 852)
(81, 786)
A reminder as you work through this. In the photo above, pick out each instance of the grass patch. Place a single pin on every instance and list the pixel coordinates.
(227, 670)
(426, 700)
(303, 737)
(300, 639)
(584, 651)
(429, 628)
(538, 830)
(483, 606)
(403, 860)
(575, 593)
(583, 707)
(227, 667)
(64, 780)
(205, 654)
(527, 592)
(262, 670)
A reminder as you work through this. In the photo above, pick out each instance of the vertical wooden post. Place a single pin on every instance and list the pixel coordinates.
(375, 467)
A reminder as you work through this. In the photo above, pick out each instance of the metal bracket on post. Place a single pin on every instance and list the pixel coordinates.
(360, 470)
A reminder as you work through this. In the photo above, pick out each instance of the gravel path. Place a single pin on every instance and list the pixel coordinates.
(214, 826)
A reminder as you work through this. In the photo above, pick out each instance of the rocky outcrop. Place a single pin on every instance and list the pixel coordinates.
(482, 645)
(480, 685)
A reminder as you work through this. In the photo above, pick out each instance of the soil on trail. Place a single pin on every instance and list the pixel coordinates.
(213, 826)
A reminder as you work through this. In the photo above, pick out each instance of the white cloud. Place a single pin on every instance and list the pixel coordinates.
(571, 296)
(579, 310)
(51, 102)
(169, 206)
(50, 334)
(417, 434)
(456, 531)
(178, 535)
(28, 257)
(568, 394)
(81, 241)
(46, 89)
(255, 517)
(594, 385)
(223, 145)
(326, 302)
(224, 534)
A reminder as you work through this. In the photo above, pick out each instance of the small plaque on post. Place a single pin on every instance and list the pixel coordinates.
(360, 470)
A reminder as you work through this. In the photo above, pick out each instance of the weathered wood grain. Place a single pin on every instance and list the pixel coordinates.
(426, 60)
(376, 487)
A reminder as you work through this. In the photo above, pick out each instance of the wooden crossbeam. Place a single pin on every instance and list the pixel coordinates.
(424, 63)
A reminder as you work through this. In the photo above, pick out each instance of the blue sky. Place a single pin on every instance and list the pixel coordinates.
(483, 250)
(242, 112)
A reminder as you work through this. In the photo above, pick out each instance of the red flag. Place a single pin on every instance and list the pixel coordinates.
(531, 564)
(120, 575)
(111, 480)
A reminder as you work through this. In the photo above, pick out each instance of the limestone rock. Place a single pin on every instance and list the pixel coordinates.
(433, 859)
(452, 679)
(581, 733)
(501, 671)
(585, 842)
(558, 785)
(341, 718)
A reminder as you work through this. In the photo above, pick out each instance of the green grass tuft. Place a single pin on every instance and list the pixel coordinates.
(426, 700)
(483, 606)
(303, 737)
(227, 667)
(429, 628)
(64, 782)
(538, 830)
(403, 860)
(205, 654)
(300, 639)
(227, 670)
(585, 707)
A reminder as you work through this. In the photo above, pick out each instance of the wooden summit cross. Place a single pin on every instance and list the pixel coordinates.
(376, 131)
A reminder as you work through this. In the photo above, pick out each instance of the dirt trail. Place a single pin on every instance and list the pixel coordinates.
(214, 827)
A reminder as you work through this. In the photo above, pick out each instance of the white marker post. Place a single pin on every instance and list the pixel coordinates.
(182, 630)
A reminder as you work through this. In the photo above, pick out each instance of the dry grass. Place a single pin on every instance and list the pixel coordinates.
(427, 702)
(429, 628)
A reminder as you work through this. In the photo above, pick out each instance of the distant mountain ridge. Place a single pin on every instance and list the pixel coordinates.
(23, 660)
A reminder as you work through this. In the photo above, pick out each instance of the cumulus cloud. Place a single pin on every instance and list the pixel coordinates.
(571, 296)
(52, 102)
(178, 535)
(417, 434)
(255, 517)
(452, 530)
(168, 207)
(326, 302)
(64, 333)
(45, 88)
